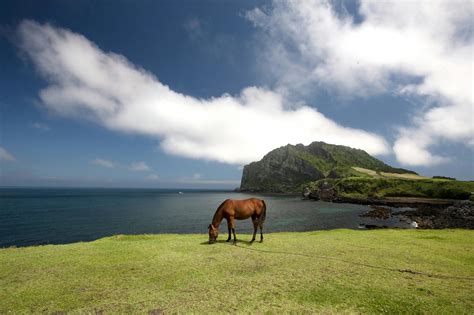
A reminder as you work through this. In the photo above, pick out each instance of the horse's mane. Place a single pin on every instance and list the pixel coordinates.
(218, 208)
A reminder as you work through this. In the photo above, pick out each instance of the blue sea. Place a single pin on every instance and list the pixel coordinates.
(33, 216)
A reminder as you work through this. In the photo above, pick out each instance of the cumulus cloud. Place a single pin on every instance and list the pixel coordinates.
(139, 167)
(104, 163)
(416, 48)
(108, 89)
(6, 156)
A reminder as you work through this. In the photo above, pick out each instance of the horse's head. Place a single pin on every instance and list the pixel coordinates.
(213, 233)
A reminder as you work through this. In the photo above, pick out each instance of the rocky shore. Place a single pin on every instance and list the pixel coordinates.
(458, 215)
(424, 213)
(378, 212)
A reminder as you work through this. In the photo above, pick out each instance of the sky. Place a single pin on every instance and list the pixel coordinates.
(183, 94)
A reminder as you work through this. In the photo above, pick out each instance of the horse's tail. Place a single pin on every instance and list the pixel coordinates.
(264, 214)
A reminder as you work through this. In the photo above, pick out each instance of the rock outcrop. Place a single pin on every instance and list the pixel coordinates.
(279, 171)
(378, 212)
(458, 215)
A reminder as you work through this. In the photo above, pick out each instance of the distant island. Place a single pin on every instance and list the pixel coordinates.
(337, 173)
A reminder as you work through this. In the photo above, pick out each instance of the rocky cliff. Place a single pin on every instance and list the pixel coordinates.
(285, 169)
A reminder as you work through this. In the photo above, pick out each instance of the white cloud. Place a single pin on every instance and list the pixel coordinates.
(410, 149)
(134, 166)
(41, 126)
(139, 167)
(6, 156)
(415, 48)
(197, 175)
(104, 163)
(106, 88)
(152, 177)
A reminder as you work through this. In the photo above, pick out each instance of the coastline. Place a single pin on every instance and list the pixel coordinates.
(424, 213)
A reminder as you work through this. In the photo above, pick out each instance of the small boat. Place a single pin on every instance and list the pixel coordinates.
(180, 193)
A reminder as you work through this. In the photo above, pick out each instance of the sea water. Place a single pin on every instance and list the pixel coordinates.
(33, 216)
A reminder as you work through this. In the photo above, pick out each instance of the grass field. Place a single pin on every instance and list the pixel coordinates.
(388, 175)
(397, 271)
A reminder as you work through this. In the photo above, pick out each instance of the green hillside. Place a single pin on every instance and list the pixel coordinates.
(338, 271)
(381, 186)
(286, 168)
(338, 161)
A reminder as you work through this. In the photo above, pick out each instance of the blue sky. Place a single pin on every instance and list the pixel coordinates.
(182, 94)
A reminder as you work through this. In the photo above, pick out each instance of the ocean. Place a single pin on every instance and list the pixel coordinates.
(36, 216)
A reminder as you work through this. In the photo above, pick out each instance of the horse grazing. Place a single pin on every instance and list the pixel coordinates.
(238, 209)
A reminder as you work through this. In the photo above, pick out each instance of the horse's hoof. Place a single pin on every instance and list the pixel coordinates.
(228, 241)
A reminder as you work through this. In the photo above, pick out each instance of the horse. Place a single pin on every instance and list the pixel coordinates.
(238, 209)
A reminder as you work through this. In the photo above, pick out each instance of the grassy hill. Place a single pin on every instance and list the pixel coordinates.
(286, 168)
(351, 172)
(338, 160)
(396, 271)
(369, 183)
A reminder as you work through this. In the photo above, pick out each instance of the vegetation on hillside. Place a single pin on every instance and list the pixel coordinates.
(380, 187)
(350, 172)
(444, 177)
(339, 271)
(337, 160)
(360, 171)
(286, 168)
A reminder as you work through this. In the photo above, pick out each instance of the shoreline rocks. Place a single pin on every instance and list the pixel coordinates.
(378, 212)
(423, 213)
(458, 215)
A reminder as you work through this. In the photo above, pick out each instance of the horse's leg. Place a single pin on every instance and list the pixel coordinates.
(232, 224)
(229, 227)
(235, 238)
(261, 233)
(255, 226)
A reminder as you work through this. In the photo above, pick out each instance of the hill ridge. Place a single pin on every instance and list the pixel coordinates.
(286, 168)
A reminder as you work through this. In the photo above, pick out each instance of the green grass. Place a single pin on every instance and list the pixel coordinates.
(366, 186)
(337, 161)
(325, 271)
(371, 173)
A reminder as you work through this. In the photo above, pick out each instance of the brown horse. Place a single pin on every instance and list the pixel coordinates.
(238, 209)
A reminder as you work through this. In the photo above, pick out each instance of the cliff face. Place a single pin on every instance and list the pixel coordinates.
(279, 171)
(287, 168)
